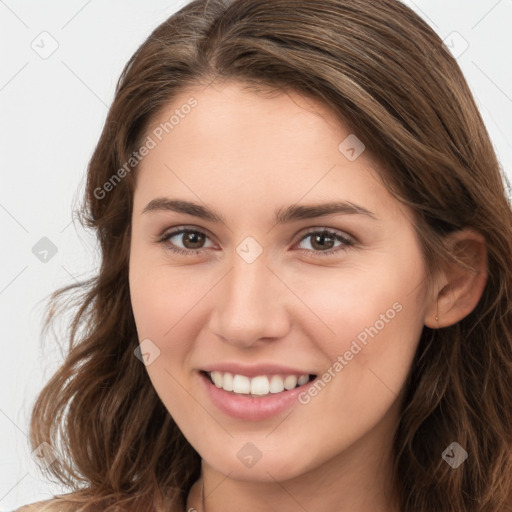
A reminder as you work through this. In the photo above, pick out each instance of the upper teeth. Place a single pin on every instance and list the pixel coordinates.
(261, 385)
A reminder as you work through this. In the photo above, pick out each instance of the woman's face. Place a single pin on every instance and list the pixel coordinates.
(262, 298)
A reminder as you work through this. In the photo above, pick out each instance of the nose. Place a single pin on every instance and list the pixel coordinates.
(250, 305)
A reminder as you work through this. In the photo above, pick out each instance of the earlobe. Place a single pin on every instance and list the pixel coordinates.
(462, 284)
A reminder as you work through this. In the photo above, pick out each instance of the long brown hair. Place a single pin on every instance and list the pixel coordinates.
(387, 75)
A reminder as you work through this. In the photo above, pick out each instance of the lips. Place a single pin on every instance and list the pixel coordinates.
(254, 393)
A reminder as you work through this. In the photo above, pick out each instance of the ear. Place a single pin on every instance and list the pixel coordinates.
(458, 289)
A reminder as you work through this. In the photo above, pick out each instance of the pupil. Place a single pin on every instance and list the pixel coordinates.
(194, 236)
(322, 238)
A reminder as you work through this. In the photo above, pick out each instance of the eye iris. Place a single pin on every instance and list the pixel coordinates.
(194, 238)
(322, 238)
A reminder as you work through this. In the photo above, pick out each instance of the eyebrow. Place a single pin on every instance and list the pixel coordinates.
(281, 216)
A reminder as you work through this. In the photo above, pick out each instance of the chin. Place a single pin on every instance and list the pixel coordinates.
(274, 463)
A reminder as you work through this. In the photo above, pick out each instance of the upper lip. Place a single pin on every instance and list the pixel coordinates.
(255, 370)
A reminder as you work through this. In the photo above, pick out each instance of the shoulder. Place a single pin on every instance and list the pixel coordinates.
(52, 505)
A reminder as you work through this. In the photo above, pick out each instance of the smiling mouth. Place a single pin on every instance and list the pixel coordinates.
(260, 386)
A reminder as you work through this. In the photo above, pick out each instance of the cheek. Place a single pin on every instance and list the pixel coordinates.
(166, 302)
(377, 325)
(161, 294)
(371, 302)
(374, 317)
(157, 309)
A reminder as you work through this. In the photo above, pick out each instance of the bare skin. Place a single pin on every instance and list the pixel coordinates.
(245, 156)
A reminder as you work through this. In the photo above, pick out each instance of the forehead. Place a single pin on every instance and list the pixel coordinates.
(235, 143)
(234, 112)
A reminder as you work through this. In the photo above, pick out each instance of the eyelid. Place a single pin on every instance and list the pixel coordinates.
(330, 231)
(347, 239)
(178, 230)
(184, 227)
(314, 229)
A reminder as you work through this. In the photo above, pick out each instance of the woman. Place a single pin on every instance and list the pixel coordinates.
(303, 301)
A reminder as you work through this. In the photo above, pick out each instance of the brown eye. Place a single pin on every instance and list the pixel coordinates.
(192, 241)
(323, 242)
(194, 238)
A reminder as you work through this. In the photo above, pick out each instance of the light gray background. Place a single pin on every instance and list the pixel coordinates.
(53, 110)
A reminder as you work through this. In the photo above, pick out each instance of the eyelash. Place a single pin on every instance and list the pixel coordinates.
(325, 232)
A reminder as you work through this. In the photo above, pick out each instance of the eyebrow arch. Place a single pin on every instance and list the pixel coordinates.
(281, 216)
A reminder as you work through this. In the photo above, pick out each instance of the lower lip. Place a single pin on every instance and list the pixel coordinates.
(250, 408)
